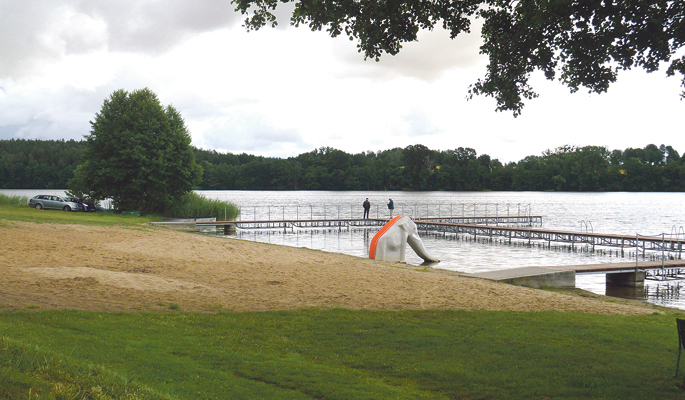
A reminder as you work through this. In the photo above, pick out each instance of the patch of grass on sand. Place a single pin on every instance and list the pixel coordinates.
(341, 354)
(28, 214)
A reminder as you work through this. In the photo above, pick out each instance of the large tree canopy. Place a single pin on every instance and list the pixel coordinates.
(579, 42)
(138, 154)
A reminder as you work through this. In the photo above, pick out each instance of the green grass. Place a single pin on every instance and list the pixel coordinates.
(28, 214)
(340, 354)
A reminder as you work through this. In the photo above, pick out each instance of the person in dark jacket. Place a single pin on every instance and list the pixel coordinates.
(391, 207)
(367, 207)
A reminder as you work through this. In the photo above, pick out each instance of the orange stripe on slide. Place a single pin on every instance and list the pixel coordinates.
(377, 236)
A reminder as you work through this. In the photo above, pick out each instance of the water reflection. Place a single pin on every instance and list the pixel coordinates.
(667, 292)
(632, 293)
(464, 253)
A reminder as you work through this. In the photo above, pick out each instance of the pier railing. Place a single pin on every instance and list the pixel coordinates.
(352, 211)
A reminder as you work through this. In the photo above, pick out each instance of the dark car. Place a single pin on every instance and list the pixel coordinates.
(46, 201)
(83, 204)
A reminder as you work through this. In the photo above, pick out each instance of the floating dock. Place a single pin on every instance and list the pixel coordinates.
(644, 243)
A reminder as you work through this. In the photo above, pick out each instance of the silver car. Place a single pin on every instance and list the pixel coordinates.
(45, 201)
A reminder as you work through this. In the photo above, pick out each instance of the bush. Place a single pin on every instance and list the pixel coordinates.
(13, 200)
(193, 205)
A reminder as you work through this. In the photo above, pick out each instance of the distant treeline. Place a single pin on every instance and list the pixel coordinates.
(48, 164)
(38, 164)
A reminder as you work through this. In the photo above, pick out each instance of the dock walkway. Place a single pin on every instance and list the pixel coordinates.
(370, 222)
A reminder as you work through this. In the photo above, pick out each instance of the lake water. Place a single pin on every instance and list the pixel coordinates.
(616, 212)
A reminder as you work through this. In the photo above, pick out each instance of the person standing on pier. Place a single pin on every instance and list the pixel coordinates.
(367, 207)
(391, 207)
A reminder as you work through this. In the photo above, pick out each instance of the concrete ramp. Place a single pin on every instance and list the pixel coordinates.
(536, 277)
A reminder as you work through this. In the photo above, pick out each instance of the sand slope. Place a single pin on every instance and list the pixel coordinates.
(127, 269)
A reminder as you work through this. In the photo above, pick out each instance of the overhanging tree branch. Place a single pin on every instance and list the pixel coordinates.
(582, 43)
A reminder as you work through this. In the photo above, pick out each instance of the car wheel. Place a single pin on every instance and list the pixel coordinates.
(39, 207)
(66, 208)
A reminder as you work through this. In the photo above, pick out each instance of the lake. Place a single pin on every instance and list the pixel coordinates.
(616, 212)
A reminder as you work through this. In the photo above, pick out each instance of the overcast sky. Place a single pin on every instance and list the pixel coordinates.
(281, 92)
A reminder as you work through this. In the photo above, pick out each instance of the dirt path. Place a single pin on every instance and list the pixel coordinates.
(46, 266)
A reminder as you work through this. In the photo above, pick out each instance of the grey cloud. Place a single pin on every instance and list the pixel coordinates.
(283, 13)
(61, 115)
(259, 138)
(153, 26)
(35, 31)
(21, 26)
(426, 59)
(42, 128)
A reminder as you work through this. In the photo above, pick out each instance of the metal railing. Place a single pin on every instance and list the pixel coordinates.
(671, 249)
(354, 211)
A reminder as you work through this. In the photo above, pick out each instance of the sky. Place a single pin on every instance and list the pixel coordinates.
(280, 92)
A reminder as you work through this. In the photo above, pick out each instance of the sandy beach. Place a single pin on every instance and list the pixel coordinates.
(50, 266)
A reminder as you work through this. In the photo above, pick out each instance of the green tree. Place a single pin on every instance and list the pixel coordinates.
(580, 42)
(419, 161)
(138, 154)
(671, 154)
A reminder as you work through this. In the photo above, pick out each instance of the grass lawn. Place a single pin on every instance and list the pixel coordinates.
(28, 214)
(339, 354)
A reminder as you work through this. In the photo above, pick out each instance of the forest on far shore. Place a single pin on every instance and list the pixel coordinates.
(50, 164)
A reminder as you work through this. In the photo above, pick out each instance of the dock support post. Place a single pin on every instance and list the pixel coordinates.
(637, 250)
(230, 229)
(626, 279)
(622, 243)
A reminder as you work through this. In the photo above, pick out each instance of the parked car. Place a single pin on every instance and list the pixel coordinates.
(45, 201)
(83, 204)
